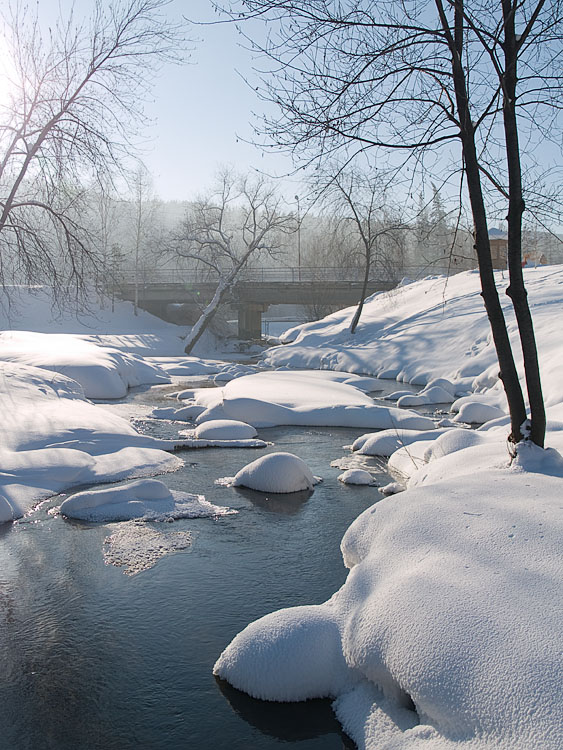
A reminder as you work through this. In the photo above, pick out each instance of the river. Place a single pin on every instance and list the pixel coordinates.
(95, 659)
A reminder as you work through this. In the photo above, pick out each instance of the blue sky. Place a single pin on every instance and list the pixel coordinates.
(202, 114)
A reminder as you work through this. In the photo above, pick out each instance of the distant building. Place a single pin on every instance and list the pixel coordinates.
(498, 240)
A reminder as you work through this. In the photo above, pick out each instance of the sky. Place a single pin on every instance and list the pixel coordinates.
(203, 114)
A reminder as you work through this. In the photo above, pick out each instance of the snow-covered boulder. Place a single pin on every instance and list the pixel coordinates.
(276, 472)
(386, 442)
(303, 398)
(356, 476)
(475, 412)
(224, 429)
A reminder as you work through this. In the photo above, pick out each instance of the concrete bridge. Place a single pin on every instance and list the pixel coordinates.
(252, 293)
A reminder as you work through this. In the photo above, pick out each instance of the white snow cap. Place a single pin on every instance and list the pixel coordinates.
(356, 476)
(224, 429)
(276, 472)
(148, 499)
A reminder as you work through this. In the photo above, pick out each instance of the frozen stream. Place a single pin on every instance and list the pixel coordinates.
(93, 658)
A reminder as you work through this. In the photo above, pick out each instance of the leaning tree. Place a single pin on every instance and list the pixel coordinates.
(240, 219)
(427, 82)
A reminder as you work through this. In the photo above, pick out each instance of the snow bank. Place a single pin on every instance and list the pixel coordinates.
(51, 438)
(446, 633)
(434, 328)
(102, 372)
(451, 607)
(147, 499)
(276, 472)
(267, 399)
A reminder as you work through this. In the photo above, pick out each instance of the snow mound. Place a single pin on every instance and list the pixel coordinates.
(103, 372)
(147, 499)
(276, 472)
(267, 399)
(475, 412)
(356, 476)
(51, 439)
(224, 429)
(386, 442)
(393, 488)
(303, 651)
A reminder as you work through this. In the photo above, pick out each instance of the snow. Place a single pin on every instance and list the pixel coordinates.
(451, 603)
(277, 472)
(356, 476)
(146, 499)
(224, 429)
(433, 328)
(267, 399)
(386, 442)
(475, 412)
(51, 439)
(103, 373)
(446, 634)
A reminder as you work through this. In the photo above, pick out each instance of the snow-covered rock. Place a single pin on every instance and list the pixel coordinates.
(356, 476)
(276, 472)
(474, 412)
(224, 429)
(386, 442)
(51, 439)
(267, 399)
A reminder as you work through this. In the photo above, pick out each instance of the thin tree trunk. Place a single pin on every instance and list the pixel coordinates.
(363, 296)
(205, 318)
(516, 289)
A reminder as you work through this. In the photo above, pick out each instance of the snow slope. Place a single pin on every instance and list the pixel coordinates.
(434, 328)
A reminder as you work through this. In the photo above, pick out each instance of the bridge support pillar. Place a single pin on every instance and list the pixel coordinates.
(250, 320)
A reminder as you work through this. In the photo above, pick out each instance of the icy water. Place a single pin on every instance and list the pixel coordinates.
(94, 659)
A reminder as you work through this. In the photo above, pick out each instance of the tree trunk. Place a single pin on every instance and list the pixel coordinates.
(360, 307)
(205, 318)
(508, 373)
(516, 289)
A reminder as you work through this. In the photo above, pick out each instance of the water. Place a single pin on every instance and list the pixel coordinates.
(93, 659)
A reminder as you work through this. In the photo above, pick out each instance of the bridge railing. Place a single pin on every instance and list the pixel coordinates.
(265, 275)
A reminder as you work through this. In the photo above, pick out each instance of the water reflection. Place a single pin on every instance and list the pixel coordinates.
(289, 722)
(284, 503)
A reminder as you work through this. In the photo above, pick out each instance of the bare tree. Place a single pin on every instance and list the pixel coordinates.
(425, 80)
(75, 103)
(358, 201)
(144, 225)
(238, 221)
